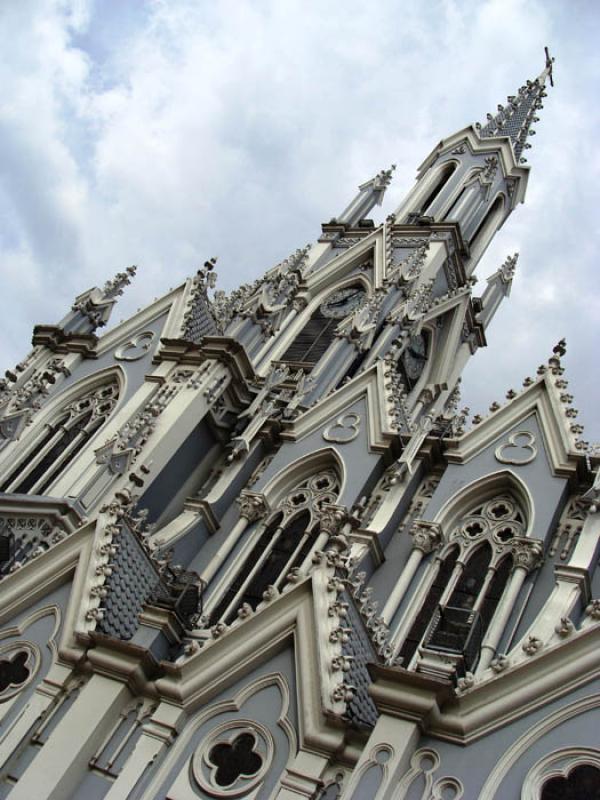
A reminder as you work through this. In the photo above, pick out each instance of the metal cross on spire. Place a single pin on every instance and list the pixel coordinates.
(515, 120)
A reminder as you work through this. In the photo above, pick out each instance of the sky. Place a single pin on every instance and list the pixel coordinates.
(162, 133)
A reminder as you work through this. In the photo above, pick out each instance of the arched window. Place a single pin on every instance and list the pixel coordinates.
(487, 226)
(63, 440)
(582, 782)
(413, 359)
(282, 543)
(317, 335)
(468, 582)
(442, 179)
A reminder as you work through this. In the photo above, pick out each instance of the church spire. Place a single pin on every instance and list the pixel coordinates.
(515, 120)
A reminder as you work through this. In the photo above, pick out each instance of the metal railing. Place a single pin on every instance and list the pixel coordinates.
(458, 631)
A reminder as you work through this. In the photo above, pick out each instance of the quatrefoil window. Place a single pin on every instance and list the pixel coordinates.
(233, 759)
(13, 670)
(236, 759)
(500, 518)
(18, 664)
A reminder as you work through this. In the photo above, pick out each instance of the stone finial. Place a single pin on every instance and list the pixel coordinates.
(115, 287)
(508, 268)
(383, 178)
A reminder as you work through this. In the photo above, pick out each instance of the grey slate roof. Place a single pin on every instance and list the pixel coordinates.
(361, 709)
(133, 583)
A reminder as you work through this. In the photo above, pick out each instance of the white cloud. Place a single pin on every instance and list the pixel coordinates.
(165, 132)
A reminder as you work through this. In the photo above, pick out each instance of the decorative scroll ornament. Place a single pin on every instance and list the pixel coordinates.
(519, 449)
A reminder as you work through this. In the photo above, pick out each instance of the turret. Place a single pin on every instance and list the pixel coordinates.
(370, 194)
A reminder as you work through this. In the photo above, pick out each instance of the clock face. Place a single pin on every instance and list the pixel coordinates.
(414, 358)
(342, 302)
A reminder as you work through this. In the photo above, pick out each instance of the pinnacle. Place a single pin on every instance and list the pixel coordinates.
(515, 120)
(383, 178)
(114, 287)
(508, 268)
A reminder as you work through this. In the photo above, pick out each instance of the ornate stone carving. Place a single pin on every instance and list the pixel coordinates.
(527, 553)
(593, 610)
(499, 663)
(426, 536)
(532, 645)
(332, 518)
(564, 628)
(253, 506)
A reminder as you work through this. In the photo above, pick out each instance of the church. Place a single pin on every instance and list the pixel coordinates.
(251, 546)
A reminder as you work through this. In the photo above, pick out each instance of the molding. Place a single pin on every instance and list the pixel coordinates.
(565, 460)
(55, 339)
(547, 767)
(293, 619)
(370, 385)
(534, 734)
(521, 689)
(494, 145)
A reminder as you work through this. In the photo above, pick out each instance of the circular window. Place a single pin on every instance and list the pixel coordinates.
(19, 662)
(233, 758)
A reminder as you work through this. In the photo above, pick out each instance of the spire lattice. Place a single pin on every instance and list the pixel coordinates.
(516, 118)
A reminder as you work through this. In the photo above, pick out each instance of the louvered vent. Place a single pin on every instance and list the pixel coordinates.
(312, 341)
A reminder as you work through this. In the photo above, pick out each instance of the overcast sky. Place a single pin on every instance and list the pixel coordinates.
(162, 133)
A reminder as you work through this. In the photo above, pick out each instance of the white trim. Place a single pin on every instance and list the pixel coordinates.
(546, 768)
(530, 737)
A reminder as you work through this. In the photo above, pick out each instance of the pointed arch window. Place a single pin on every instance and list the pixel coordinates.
(413, 359)
(443, 177)
(487, 225)
(64, 438)
(315, 338)
(468, 582)
(282, 543)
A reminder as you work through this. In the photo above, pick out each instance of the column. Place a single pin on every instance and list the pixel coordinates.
(427, 537)
(253, 507)
(528, 555)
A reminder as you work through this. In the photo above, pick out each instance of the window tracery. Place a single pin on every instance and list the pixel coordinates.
(233, 759)
(469, 578)
(74, 424)
(570, 773)
(281, 544)
(19, 663)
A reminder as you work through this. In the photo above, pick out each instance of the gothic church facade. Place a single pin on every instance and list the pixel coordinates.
(250, 546)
